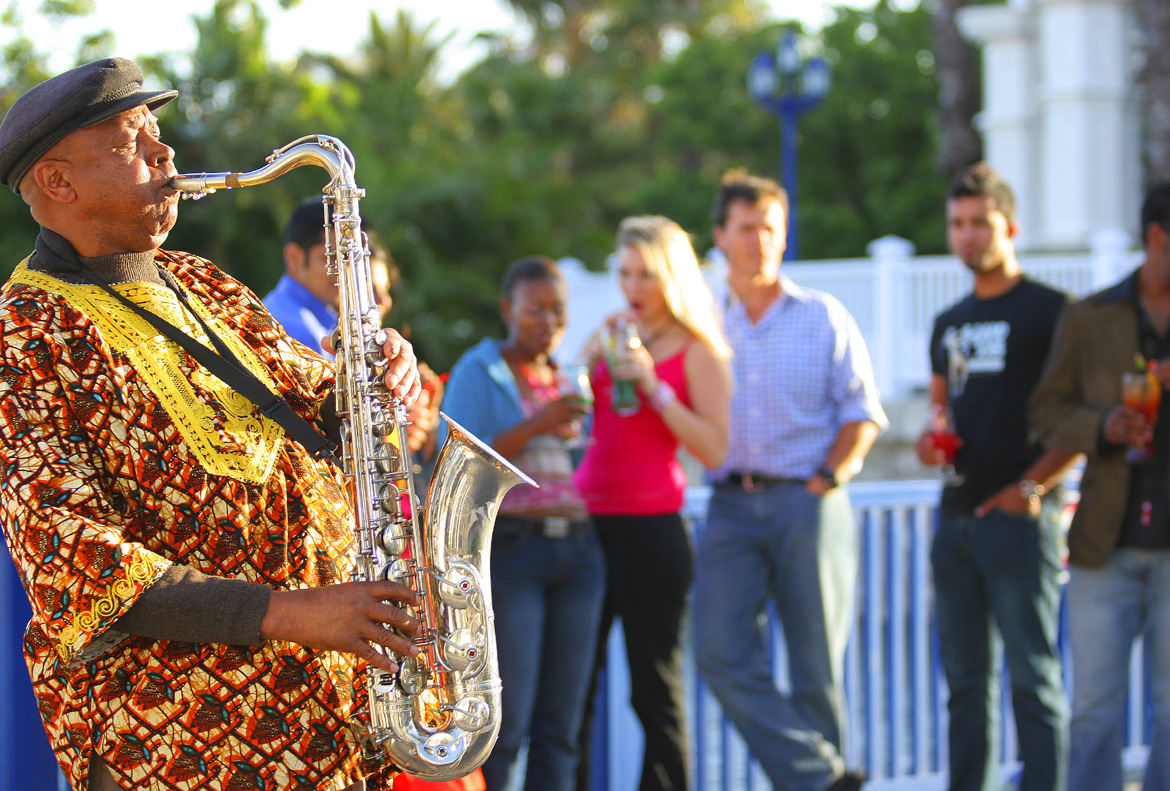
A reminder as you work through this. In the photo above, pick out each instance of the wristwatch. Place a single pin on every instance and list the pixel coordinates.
(831, 481)
(1031, 491)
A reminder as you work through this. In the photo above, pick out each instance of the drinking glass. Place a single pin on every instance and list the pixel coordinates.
(625, 339)
(1143, 392)
(573, 380)
(944, 437)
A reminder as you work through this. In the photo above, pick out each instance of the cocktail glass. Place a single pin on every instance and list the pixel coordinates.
(1141, 391)
(944, 438)
(573, 380)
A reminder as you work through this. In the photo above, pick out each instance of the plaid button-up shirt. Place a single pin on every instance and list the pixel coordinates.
(801, 372)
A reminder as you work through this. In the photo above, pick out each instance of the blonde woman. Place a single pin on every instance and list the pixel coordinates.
(632, 481)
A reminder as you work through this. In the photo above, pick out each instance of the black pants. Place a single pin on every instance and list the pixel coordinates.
(649, 566)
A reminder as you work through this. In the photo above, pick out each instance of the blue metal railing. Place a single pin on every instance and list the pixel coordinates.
(896, 692)
(26, 762)
(894, 683)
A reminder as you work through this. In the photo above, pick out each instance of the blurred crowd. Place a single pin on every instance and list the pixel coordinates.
(769, 387)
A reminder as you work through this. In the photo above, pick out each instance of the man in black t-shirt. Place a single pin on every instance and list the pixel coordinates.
(995, 555)
(1119, 541)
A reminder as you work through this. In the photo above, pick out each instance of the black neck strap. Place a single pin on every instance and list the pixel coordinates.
(226, 367)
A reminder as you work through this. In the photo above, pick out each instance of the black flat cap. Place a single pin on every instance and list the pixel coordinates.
(75, 99)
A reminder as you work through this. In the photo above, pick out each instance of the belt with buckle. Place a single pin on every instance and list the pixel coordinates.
(754, 481)
(554, 527)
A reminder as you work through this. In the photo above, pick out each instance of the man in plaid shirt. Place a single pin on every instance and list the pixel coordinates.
(804, 413)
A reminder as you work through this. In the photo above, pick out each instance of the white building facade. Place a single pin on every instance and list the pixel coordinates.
(1061, 115)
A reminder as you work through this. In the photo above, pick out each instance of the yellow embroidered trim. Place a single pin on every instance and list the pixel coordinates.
(225, 432)
(140, 573)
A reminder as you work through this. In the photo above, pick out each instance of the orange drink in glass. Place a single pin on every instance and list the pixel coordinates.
(1141, 391)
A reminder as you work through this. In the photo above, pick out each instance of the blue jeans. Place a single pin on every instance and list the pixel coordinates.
(997, 592)
(1107, 608)
(547, 595)
(801, 551)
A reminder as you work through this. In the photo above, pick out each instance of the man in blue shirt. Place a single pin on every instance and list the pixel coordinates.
(305, 298)
(804, 414)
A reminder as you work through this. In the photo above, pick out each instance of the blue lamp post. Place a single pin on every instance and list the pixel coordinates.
(789, 85)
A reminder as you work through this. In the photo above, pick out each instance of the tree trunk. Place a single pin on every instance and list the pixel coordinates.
(1153, 20)
(958, 78)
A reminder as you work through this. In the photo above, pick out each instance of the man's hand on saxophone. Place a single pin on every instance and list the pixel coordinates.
(349, 617)
(401, 374)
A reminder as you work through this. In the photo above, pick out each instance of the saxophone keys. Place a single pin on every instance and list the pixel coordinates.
(460, 650)
(398, 570)
(471, 713)
(375, 357)
(412, 676)
(459, 585)
(382, 424)
(442, 748)
(392, 540)
(387, 500)
(382, 683)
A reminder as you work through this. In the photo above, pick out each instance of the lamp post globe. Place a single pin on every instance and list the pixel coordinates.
(789, 84)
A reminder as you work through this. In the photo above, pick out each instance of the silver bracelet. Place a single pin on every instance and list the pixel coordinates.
(663, 396)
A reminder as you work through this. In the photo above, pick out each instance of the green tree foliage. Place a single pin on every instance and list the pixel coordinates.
(867, 154)
(235, 107)
(636, 135)
(569, 29)
(21, 67)
(612, 108)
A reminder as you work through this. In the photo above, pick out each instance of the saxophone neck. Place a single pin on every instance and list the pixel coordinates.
(321, 150)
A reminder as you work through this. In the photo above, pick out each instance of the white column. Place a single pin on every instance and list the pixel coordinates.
(890, 256)
(1090, 140)
(1009, 120)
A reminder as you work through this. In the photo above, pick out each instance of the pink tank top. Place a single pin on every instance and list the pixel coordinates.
(630, 465)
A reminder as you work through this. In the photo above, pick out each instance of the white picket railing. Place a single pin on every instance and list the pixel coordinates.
(893, 295)
(896, 691)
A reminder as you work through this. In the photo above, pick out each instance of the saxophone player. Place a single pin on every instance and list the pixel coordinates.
(185, 554)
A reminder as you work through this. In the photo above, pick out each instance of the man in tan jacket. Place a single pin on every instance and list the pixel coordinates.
(1119, 543)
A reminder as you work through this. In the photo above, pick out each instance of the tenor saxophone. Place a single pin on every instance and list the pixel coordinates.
(438, 716)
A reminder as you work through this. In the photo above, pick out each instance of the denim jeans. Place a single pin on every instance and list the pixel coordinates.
(801, 551)
(997, 592)
(547, 595)
(1107, 608)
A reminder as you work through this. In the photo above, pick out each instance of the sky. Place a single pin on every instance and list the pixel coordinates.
(318, 25)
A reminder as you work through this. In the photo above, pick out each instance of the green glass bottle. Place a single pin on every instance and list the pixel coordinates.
(625, 391)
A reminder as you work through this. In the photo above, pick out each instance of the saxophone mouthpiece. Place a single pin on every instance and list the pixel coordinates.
(191, 186)
(196, 185)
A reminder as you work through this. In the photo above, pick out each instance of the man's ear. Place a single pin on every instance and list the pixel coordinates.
(1156, 237)
(717, 236)
(294, 258)
(506, 310)
(55, 179)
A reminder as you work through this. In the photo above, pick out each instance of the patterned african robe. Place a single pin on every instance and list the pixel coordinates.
(122, 456)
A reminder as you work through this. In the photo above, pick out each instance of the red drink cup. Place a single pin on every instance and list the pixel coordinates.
(947, 442)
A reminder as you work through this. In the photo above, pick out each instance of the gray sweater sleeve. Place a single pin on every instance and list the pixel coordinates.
(189, 606)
